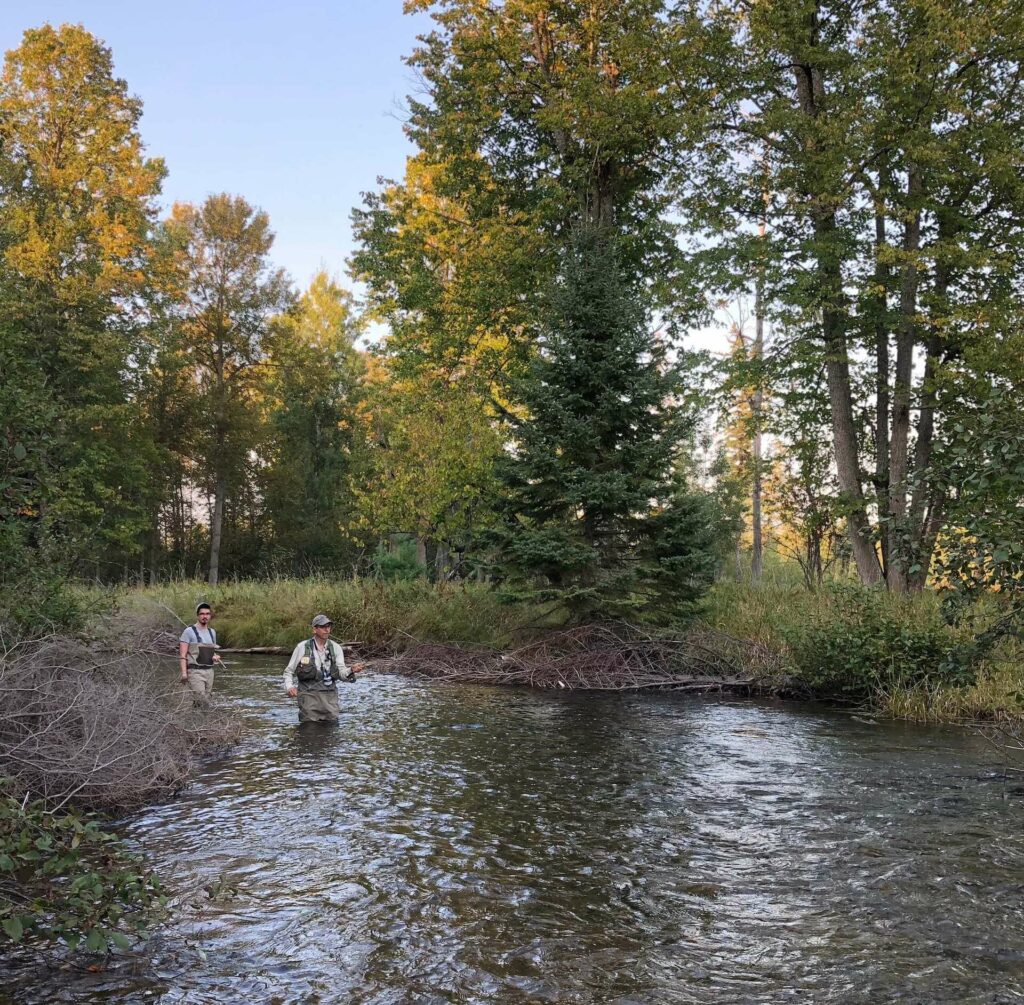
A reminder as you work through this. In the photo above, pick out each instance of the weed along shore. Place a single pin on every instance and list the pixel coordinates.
(890, 656)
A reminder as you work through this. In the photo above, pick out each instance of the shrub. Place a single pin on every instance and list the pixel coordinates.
(62, 877)
(401, 564)
(864, 642)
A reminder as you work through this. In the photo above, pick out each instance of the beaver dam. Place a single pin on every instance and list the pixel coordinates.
(606, 658)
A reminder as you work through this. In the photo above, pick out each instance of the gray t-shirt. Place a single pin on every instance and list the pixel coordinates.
(194, 635)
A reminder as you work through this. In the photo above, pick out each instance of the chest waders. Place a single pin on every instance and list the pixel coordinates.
(203, 655)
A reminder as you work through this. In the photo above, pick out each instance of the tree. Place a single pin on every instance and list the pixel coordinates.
(980, 466)
(591, 515)
(744, 423)
(432, 450)
(229, 293)
(894, 216)
(802, 493)
(538, 117)
(76, 208)
(313, 396)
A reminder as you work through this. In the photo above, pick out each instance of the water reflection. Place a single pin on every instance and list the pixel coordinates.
(446, 844)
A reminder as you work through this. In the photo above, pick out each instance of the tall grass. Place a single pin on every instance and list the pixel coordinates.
(379, 615)
(780, 612)
(826, 636)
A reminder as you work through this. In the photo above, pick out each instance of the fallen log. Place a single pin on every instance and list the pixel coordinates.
(269, 650)
(272, 650)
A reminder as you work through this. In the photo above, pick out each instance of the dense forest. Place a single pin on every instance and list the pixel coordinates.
(593, 182)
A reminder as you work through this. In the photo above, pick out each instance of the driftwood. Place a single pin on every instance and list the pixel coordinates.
(277, 650)
(605, 658)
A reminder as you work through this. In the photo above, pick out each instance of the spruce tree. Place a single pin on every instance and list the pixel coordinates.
(592, 513)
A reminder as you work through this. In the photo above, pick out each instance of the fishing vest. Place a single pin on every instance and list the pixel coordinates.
(200, 653)
(307, 671)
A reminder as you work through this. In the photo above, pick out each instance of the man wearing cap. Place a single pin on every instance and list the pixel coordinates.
(318, 664)
(197, 654)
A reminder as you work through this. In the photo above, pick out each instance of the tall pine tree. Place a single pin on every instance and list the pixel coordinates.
(592, 514)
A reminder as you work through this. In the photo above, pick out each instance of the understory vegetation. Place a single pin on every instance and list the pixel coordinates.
(896, 655)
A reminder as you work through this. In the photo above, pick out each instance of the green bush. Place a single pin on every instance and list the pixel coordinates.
(35, 596)
(63, 878)
(401, 564)
(865, 642)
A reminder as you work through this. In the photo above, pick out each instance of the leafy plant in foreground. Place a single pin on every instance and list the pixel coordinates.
(63, 878)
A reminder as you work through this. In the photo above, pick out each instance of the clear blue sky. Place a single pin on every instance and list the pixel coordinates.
(295, 106)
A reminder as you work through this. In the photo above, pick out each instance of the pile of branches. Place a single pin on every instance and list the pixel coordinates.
(606, 658)
(104, 724)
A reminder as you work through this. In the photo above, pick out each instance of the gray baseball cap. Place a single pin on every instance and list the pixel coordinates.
(320, 620)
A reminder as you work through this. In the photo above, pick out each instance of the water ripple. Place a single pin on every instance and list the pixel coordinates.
(458, 844)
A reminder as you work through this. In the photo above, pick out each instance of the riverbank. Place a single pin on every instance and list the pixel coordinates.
(895, 656)
(91, 728)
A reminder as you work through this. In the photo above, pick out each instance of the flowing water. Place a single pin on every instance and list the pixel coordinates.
(473, 844)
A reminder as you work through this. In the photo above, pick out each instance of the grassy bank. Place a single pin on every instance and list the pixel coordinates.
(894, 655)
(381, 616)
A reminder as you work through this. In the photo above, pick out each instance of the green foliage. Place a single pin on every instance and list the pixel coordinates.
(984, 476)
(980, 560)
(381, 615)
(863, 644)
(592, 515)
(430, 459)
(226, 295)
(77, 198)
(876, 144)
(400, 563)
(35, 597)
(314, 444)
(63, 878)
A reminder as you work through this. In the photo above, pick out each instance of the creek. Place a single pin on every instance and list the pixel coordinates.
(451, 843)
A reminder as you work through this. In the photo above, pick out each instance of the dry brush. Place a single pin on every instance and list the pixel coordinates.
(606, 658)
(104, 724)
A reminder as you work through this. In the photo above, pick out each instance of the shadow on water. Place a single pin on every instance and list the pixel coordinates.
(463, 844)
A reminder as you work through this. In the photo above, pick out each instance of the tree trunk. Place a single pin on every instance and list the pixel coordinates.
(756, 402)
(441, 562)
(810, 88)
(216, 523)
(927, 504)
(882, 278)
(844, 434)
(900, 548)
(154, 546)
(220, 464)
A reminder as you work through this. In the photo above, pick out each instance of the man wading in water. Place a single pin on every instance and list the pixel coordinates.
(319, 664)
(197, 653)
